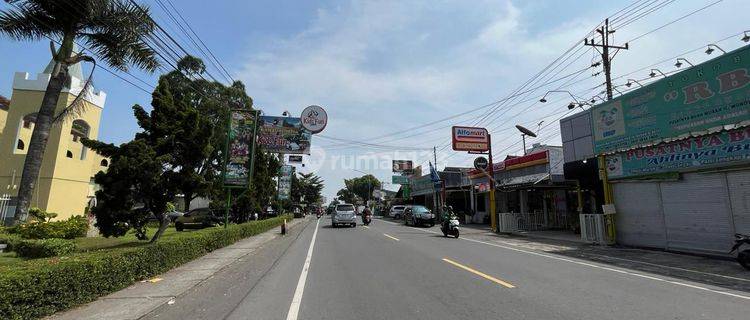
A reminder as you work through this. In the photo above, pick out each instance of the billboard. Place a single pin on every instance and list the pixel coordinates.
(696, 101)
(470, 139)
(285, 181)
(283, 135)
(402, 166)
(719, 149)
(400, 180)
(295, 159)
(240, 143)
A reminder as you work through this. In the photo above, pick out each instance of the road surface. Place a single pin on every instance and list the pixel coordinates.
(390, 271)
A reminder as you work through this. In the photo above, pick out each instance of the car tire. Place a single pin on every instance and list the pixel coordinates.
(354, 225)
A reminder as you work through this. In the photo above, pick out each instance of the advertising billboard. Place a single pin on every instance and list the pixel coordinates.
(240, 143)
(470, 139)
(719, 149)
(699, 100)
(283, 135)
(403, 166)
(285, 181)
(400, 180)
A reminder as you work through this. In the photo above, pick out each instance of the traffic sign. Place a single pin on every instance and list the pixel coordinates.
(481, 163)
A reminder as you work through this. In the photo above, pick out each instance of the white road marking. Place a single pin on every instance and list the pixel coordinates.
(297, 299)
(390, 236)
(596, 266)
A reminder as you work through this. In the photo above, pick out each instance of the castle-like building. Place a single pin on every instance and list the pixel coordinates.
(65, 184)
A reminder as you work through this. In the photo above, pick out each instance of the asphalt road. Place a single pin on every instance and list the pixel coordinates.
(390, 271)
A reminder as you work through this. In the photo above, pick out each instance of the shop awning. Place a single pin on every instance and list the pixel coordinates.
(522, 181)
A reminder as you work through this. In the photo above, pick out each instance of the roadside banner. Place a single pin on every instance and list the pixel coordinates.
(700, 100)
(285, 182)
(240, 143)
(400, 180)
(716, 150)
(403, 166)
(470, 139)
(283, 135)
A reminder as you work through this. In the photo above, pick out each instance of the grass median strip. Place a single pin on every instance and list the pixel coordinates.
(479, 273)
(392, 237)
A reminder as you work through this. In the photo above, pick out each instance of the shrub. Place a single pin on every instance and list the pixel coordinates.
(74, 227)
(40, 287)
(9, 239)
(43, 248)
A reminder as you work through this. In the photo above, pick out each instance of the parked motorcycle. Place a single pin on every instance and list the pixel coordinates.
(450, 227)
(743, 256)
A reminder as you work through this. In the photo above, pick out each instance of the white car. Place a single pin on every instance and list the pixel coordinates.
(344, 214)
(396, 212)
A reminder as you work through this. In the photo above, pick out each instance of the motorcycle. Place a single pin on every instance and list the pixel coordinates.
(366, 219)
(450, 227)
(743, 256)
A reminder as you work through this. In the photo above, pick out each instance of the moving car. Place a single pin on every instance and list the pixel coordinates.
(396, 212)
(198, 219)
(418, 215)
(344, 214)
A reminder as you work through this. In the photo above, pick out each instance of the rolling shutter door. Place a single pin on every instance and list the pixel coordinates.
(697, 213)
(639, 219)
(739, 196)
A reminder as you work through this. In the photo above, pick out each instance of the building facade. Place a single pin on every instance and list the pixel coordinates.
(65, 183)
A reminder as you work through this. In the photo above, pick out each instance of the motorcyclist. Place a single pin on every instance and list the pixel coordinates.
(366, 213)
(447, 216)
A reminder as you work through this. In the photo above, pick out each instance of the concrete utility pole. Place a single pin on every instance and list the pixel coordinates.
(606, 59)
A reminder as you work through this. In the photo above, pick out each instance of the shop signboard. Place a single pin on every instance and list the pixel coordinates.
(470, 139)
(285, 181)
(314, 119)
(283, 135)
(240, 143)
(692, 102)
(400, 166)
(716, 150)
(295, 159)
(402, 180)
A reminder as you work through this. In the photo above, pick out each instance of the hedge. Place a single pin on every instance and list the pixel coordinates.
(73, 227)
(41, 287)
(44, 248)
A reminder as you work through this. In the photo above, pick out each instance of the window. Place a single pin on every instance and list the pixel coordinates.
(345, 207)
(69, 154)
(20, 145)
(104, 163)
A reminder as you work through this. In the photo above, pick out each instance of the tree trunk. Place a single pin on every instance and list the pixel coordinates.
(35, 154)
(188, 198)
(164, 223)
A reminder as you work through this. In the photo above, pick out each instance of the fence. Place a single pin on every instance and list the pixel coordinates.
(593, 228)
(7, 209)
(536, 221)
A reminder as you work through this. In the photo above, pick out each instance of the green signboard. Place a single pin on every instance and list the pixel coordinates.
(692, 102)
(720, 149)
(400, 180)
(240, 144)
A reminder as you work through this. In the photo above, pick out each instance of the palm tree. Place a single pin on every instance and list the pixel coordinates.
(115, 30)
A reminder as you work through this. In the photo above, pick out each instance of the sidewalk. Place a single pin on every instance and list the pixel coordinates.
(141, 298)
(723, 273)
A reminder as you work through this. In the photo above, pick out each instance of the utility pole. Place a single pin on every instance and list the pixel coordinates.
(607, 63)
(606, 59)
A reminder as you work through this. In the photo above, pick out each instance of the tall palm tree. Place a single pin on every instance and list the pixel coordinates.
(115, 30)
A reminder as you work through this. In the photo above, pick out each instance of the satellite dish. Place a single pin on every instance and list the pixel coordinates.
(525, 131)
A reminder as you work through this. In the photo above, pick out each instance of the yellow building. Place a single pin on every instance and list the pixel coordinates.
(65, 184)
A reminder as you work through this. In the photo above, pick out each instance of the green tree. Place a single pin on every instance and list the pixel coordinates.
(346, 196)
(362, 186)
(114, 29)
(310, 187)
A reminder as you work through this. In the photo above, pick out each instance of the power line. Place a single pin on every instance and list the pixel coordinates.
(676, 20)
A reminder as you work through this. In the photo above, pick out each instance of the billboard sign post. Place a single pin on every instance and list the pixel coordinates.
(285, 182)
(284, 135)
(241, 132)
(402, 180)
(403, 166)
(470, 139)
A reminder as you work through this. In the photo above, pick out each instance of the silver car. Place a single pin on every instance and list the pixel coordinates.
(344, 214)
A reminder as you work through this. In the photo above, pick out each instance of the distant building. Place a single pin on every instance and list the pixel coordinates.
(65, 184)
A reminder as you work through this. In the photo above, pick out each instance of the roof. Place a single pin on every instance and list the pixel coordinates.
(4, 103)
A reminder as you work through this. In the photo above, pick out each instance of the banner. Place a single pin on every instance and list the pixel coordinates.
(715, 150)
(283, 135)
(704, 97)
(240, 143)
(470, 139)
(285, 182)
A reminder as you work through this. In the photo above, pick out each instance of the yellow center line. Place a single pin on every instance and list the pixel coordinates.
(481, 274)
(392, 237)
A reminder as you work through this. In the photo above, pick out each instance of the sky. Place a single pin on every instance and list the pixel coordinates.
(385, 69)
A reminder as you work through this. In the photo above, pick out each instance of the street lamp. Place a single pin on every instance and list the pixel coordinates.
(544, 98)
(679, 64)
(653, 73)
(711, 50)
(745, 37)
(631, 82)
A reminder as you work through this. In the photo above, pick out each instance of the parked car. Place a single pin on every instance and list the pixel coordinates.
(396, 212)
(418, 215)
(344, 214)
(198, 219)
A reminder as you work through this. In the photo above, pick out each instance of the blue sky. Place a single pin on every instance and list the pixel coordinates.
(383, 66)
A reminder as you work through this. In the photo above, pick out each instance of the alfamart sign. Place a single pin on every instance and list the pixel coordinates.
(720, 149)
(470, 139)
(693, 102)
